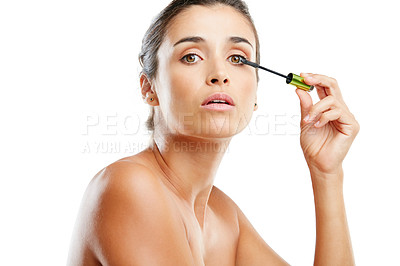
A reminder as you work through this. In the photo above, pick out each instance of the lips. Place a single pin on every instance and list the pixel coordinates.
(219, 98)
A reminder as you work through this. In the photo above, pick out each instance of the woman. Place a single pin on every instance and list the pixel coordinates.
(159, 207)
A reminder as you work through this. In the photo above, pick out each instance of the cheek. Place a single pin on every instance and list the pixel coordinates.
(184, 86)
(245, 74)
(173, 88)
(248, 89)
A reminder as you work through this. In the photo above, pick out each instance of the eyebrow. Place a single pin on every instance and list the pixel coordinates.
(194, 39)
(236, 39)
(197, 39)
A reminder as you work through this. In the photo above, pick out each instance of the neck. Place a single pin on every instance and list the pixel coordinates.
(189, 165)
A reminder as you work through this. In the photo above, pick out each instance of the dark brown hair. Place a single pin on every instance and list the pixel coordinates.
(155, 35)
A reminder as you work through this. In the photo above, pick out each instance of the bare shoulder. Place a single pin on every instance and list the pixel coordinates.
(129, 177)
(222, 202)
(251, 247)
(127, 219)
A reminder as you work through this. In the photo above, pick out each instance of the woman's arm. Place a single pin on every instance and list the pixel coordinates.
(328, 129)
(333, 244)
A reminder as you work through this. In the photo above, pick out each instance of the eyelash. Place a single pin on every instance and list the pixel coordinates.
(184, 59)
(240, 56)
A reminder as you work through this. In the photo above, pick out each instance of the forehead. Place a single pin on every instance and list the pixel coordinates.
(216, 21)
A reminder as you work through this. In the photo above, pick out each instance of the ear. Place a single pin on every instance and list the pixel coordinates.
(148, 94)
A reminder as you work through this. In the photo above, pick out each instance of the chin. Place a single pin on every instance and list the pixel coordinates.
(217, 129)
(212, 126)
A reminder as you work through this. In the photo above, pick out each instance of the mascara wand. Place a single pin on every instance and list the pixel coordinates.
(291, 78)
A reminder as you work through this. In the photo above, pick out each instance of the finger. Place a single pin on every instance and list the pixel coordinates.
(306, 102)
(329, 109)
(343, 120)
(328, 103)
(325, 85)
(328, 116)
(320, 91)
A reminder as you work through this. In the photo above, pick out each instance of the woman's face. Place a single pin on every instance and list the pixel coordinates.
(197, 60)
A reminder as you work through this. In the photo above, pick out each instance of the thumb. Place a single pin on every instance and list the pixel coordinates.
(305, 102)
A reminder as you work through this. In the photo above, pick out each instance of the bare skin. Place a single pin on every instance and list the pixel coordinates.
(164, 229)
(160, 207)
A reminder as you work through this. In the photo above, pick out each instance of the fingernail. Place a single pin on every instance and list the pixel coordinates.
(317, 124)
(310, 79)
(307, 118)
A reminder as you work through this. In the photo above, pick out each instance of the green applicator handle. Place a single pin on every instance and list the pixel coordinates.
(298, 81)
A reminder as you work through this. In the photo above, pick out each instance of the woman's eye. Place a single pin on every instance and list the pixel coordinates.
(190, 58)
(236, 59)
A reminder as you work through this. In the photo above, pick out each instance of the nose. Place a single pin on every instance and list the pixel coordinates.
(218, 76)
(216, 81)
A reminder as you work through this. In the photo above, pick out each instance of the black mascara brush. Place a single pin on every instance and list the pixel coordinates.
(292, 79)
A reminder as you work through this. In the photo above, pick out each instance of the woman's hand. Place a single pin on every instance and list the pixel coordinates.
(328, 128)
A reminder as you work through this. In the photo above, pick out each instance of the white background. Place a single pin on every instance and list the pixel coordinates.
(65, 64)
